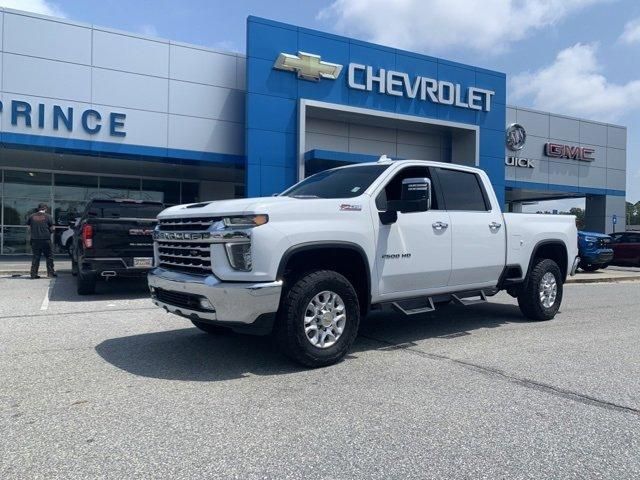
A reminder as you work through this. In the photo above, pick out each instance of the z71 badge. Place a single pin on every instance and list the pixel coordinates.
(345, 207)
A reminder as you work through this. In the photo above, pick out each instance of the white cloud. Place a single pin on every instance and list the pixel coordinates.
(573, 84)
(42, 7)
(437, 25)
(631, 33)
(148, 30)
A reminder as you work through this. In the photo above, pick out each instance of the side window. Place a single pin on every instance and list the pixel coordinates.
(633, 238)
(617, 238)
(462, 191)
(393, 189)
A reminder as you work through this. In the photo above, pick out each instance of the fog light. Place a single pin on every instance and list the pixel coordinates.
(205, 304)
(239, 255)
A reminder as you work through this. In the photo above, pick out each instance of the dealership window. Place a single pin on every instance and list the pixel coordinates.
(120, 187)
(67, 195)
(164, 191)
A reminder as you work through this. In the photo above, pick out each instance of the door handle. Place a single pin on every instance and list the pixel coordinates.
(440, 225)
(495, 225)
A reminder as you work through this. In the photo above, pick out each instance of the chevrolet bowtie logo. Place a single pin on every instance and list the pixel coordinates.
(308, 66)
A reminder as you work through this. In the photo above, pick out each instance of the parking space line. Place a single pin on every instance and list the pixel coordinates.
(45, 302)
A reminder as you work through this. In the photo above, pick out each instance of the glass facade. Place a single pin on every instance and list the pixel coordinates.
(67, 194)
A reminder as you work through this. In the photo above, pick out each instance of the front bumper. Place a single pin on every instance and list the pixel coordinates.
(599, 257)
(232, 304)
(574, 267)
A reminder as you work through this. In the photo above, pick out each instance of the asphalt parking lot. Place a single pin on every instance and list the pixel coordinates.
(108, 386)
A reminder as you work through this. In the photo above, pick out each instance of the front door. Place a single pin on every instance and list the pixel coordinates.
(414, 253)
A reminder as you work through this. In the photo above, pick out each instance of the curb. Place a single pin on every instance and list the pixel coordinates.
(13, 273)
(631, 278)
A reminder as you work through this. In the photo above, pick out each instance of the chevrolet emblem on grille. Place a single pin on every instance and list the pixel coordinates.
(181, 236)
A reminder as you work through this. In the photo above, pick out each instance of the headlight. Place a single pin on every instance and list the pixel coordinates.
(239, 255)
(246, 221)
(591, 239)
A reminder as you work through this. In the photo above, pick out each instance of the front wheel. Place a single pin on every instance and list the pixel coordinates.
(541, 294)
(318, 319)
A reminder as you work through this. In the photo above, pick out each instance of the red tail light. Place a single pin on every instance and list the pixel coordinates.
(87, 236)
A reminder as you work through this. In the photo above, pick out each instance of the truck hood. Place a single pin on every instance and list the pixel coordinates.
(592, 234)
(241, 206)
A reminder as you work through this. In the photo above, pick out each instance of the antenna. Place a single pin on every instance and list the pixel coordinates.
(384, 159)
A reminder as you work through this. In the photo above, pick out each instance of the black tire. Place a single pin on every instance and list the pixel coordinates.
(589, 267)
(289, 328)
(210, 328)
(74, 267)
(529, 300)
(86, 283)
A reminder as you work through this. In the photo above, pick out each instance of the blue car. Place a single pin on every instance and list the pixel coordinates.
(595, 251)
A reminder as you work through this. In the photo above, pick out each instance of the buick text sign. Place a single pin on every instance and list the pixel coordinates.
(24, 114)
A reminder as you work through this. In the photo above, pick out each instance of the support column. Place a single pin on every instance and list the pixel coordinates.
(600, 210)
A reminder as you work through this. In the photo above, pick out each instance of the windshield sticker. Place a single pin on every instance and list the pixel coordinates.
(355, 189)
(350, 208)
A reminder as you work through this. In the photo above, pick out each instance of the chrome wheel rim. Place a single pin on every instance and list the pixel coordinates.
(325, 319)
(548, 290)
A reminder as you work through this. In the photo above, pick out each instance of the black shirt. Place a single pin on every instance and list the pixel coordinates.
(40, 224)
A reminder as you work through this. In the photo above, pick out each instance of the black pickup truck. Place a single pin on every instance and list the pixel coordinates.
(113, 239)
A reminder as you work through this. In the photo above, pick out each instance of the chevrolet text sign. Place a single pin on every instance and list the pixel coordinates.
(362, 77)
(309, 66)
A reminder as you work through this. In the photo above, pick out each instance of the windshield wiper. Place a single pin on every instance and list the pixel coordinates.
(304, 196)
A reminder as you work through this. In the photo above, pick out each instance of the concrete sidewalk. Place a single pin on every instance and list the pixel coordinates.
(21, 265)
(610, 274)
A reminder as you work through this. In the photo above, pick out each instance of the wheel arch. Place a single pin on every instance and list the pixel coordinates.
(555, 250)
(332, 256)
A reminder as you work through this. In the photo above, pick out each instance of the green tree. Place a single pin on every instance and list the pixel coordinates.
(633, 213)
(579, 214)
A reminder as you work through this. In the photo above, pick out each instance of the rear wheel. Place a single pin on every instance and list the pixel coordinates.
(318, 319)
(541, 295)
(210, 328)
(86, 283)
(74, 267)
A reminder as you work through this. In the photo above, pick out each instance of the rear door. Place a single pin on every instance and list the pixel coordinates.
(627, 248)
(478, 240)
(412, 255)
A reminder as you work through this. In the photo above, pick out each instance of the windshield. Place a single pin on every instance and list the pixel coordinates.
(338, 183)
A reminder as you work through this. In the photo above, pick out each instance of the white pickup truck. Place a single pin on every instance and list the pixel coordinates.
(309, 263)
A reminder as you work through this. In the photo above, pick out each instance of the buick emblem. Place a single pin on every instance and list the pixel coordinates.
(516, 136)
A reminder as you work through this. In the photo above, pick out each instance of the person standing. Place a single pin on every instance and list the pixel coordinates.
(40, 227)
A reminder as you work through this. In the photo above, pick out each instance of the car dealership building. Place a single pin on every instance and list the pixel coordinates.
(89, 112)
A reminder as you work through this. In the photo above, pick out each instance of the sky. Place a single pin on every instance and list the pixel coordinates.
(574, 57)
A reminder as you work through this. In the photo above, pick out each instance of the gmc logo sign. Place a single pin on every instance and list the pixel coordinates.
(567, 151)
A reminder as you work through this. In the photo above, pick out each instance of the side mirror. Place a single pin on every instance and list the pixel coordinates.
(414, 197)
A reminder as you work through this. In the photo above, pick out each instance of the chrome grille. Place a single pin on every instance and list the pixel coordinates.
(186, 224)
(604, 242)
(185, 257)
